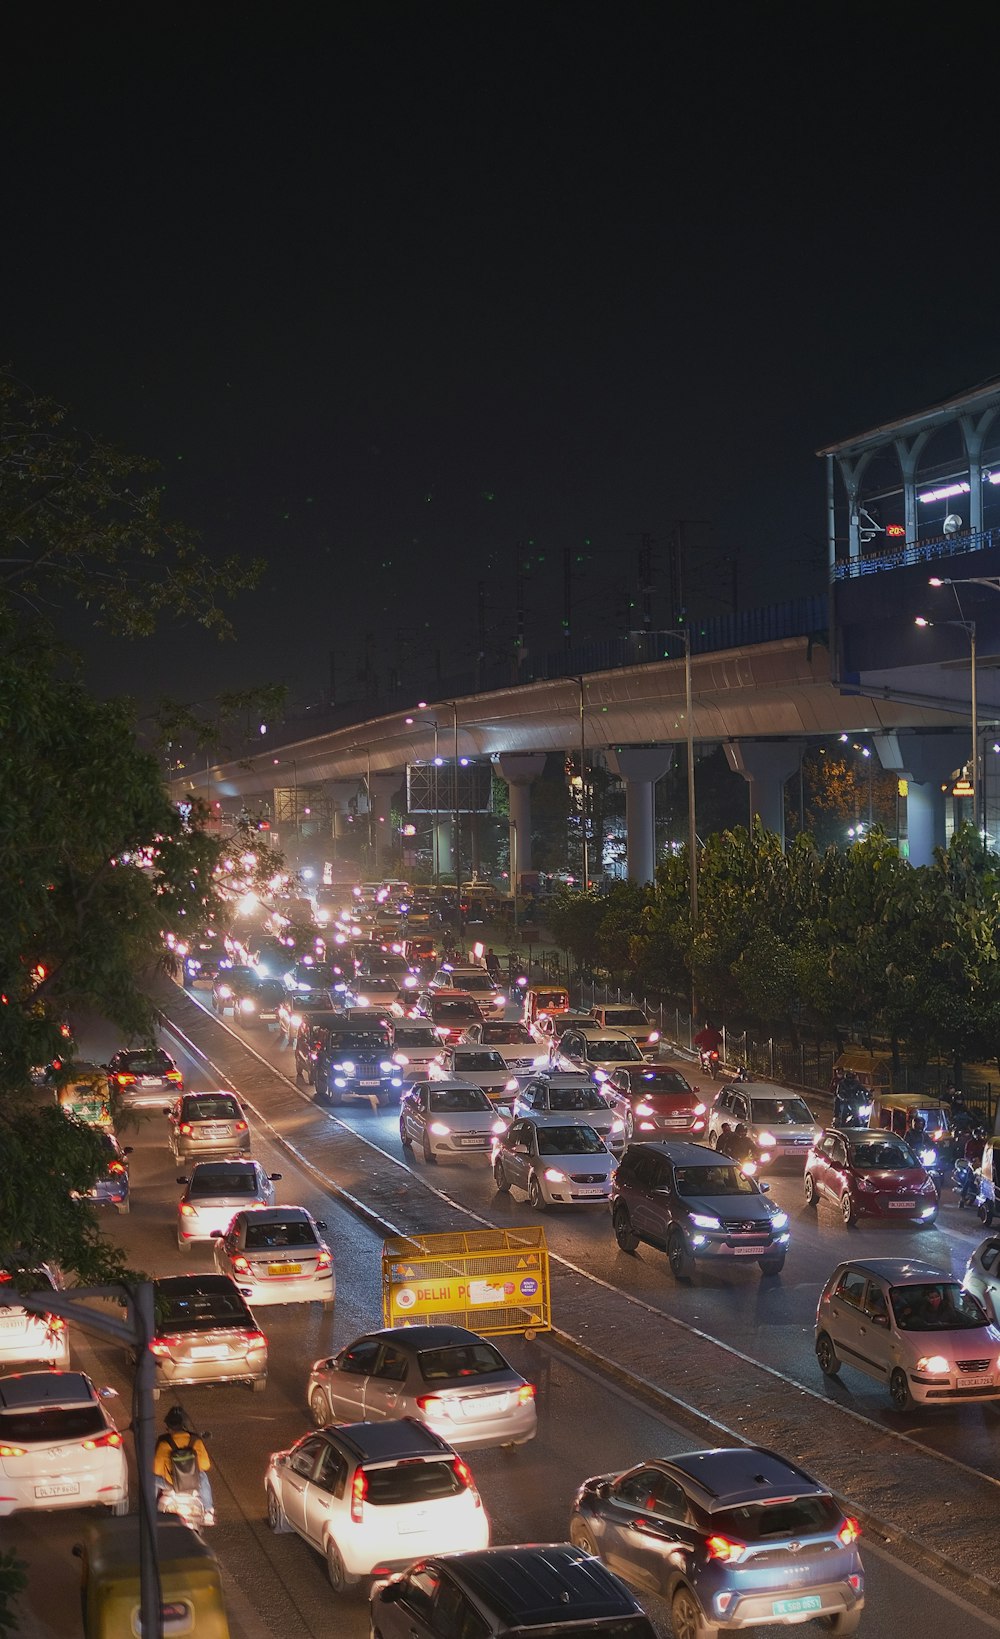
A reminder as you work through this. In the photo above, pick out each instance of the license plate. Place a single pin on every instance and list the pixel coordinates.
(367, 1083)
(791, 1607)
(284, 1269)
(149, 1081)
(206, 1351)
(65, 1490)
(589, 1189)
(749, 1251)
(488, 1405)
(984, 1382)
(212, 1132)
(17, 1324)
(407, 1527)
(474, 1143)
(901, 1206)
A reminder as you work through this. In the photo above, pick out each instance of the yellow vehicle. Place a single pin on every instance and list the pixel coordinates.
(190, 1585)
(545, 999)
(989, 1173)
(873, 1070)
(897, 1110)
(84, 1094)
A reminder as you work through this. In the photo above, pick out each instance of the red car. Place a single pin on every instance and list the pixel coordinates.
(449, 1011)
(869, 1174)
(655, 1101)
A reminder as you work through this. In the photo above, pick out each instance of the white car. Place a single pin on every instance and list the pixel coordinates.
(216, 1191)
(626, 1016)
(982, 1275)
(548, 1028)
(415, 1046)
(448, 1118)
(28, 1339)
(59, 1448)
(555, 1164)
(473, 981)
(564, 1097)
(514, 1042)
(482, 1066)
(373, 1497)
(779, 1123)
(275, 1255)
(592, 1048)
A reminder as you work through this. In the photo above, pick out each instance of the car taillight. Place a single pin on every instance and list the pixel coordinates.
(240, 1126)
(55, 1323)
(463, 1472)
(324, 1260)
(125, 1081)
(163, 1345)
(849, 1532)
(12, 1451)
(240, 1265)
(526, 1392)
(726, 1549)
(117, 1166)
(187, 1210)
(111, 1438)
(429, 1402)
(185, 1127)
(175, 1075)
(256, 1337)
(359, 1491)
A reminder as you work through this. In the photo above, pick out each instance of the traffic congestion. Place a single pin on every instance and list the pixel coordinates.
(729, 1205)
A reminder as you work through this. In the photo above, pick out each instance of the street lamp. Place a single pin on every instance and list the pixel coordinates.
(585, 861)
(437, 808)
(969, 627)
(992, 584)
(684, 634)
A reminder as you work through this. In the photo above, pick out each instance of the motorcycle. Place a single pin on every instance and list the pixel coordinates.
(965, 1183)
(186, 1506)
(709, 1060)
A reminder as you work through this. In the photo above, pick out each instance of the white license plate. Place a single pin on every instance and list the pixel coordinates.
(212, 1132)
(65, 1490)
(590, 1189)
(149, 1081)
(207, 1351)
(17, 1324)
(367, 1083)
(474, 1143)
(749, 1251)
(983, 1382)
(901, 1206)
(488, 1405)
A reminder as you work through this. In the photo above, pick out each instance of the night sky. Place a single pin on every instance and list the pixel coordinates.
(394, 291)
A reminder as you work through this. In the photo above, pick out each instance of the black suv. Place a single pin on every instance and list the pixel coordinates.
(310, 1037)
(352, 1060)
(496, 1591)
(694, 1203)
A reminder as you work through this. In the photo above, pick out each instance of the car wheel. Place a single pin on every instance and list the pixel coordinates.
(809, 1189)
(899, 1390)
(259, 1384)
(625, 1235)
(986, 1215)
(580, 1536)
(680, 1259)
(428, 1153)
(686, 1619)
(772, 1266)
(535, 1197)
(842, 1622)
(120, 1508)
(319, 1406)
(847, 1209)
(500, 1178)
(276, 1514)
(826, 1354)
(339, 1579)
(334, 1095)
(629, 1128)
(404, 1137)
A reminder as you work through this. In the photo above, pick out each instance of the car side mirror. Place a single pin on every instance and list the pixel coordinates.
(166, 1109)
(127, 1149)
(108, 1393)
(320, 1223)
(275, 1177)
(764, 1187)
(183, 1180)
(880, 1320)
(217, 1235)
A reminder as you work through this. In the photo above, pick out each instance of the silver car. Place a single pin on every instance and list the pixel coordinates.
(204, 1124)
(780, 1124)
(205, 1333)
(448, 1118)
(215, 1191)
(275, 1255)
(450, 1379)
(514, 1042)
(555, 1165)
(567, 1098)
(28, 1339)
(482, 1066)
(982, 1275)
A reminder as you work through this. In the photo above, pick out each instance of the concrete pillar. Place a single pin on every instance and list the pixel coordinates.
(927, 762)
(640, 767)
(766, 765)
(519, 769)
(444, 846)
(383, 789)
(341, 792)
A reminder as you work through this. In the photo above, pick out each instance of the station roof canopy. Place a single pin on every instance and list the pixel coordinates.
(972, 402)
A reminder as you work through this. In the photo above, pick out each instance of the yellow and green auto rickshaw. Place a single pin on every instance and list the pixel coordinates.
(82, 1091)
(190, 1585)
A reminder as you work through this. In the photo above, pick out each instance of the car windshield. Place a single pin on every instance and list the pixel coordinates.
(460, 1360)
(569, 1141)
(194, 1310)
(417, 1036)
(575, 1098)
(240, 975)
(780, 1112)
(873, 1154)
(317, 975)
(785, 1517)
(459, 1098)
(222, 1181)
(508, 1034)
(53, 1425)
(476, 981)
(268, 1236)
(209, 1107)
(694, 1181)
(612, 1052)
(660, 1081)
(478, 1061)
(150, 1063)
(359, 1041)
(551, 1000)
(938, 1306)
(456, 1009)
(619, 1016)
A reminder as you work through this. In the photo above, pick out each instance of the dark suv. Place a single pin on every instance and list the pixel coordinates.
(355, 1061)
(555, 1590)
(694, 1203)
(310, 1036)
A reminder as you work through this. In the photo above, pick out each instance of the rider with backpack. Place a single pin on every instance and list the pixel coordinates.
(181, 1462)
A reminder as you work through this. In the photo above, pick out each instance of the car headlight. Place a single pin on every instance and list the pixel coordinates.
(362, 1001)
(928, 1157)
(386, 1067)
(779, 1220)
(410, 983)
(618, 1125)
(864, 1183)
(864, 1110)
(766, 1141)
(499, 1001)
(499, 1127)
(700, 1109)
(654, 1035)
(511, 1086)
(225, 991)
(705, 1220)
(599, 1075)
(347, 1065)
(441, 1128)
(295, 1019)
(554, 1176)
(935, 1365)
(644, 1109)
(247, 1005)
(401, 1058)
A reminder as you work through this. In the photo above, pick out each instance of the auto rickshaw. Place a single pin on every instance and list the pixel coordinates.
(84, 1094)
(549, 999)
(986, 1199)
(190, 1585)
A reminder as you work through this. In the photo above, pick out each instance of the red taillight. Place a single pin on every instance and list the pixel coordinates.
(464, 1473)
(112, 1438)
(240, 1126)
(256, 1337)
(525, 1393)
(185, 1127)
(359, 1491)
(175, 1075)
(241, 1266)
(12, 1451)
(161, 1346)
(324, 1260)
(117, 1166)
(187, 1210)
(125, 1081)
(427, 1401)
(726, 1549)
(849, 1532)
(55, 1323)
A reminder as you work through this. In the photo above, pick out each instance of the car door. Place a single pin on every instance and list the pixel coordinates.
(453, 1616)
(656, 1534)
(984, 1276)
(516, 1157)
(346, 1384)
(837, 1178)
(642, 1170)
(660, 1199)
(384, 1389)
(846, 1318)
(617, 1090)
(628, 1502)
(324, 1491)
(875, 1330)
(820, 1168)
(296, 1475)
(722, 1107)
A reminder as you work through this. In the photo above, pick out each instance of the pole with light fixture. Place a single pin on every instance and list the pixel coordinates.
(585, 854)
(684, 633)
(969, 627)
(992, 584)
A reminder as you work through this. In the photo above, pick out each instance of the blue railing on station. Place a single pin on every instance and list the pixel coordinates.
(943, 546)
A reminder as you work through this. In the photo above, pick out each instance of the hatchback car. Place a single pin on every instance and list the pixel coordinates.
(26, 1338)
(869, 1174)
(908, 1326)
(731, 1538)
(693, 1203)
(556, 1164)
(414, 1047)
(455, 1382)
(656, 1101)
(982, 1275)
(111, 1187)
(449, 1012)
(448, 1118)
(275, 1255)
(567, 1096)
(633, 1020)
(372, 1497)
(143, 1076)
(595, 1050)
(215, 1192)
(553, 1588)
(483, 1066)
(781, 1124)
(203, 1124)
(59, 1448)
(514, 1042)
(205, 1333)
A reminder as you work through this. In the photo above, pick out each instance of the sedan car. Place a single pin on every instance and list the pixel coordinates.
(547, 1028)
(215, 1191)
(275, 1255)
(414, 1046)
(448, 1118)
(869, 1174)
(455, 1382)
(910, 1327)
(482, 1066)
(143, 1076)
(556, 1165)
(205, 1333)
(655, 1101)
(294, 1011)
(26, 1338)
(514, 1042)
(565, 1096)
(377, 990)
(372, 1497)
(204, 1124)
(731, 1538)
(982, 1275)
(633, 1020)
(595, 1050)
(780, 1123)
(59, 1448)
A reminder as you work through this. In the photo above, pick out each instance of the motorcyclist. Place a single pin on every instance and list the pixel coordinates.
(492, 961)
(974, 1146)
(185, 1476)
(724, 1139)
(915, 1134)
(708, 1039)
(849, 1095)
(741, 1145)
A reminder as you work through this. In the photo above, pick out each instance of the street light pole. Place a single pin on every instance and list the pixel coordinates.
(684, 634)
(458, 827)
(583, 793)
(992, 584)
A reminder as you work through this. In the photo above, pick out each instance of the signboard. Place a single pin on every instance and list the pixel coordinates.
(486, 1280)
(430, 787)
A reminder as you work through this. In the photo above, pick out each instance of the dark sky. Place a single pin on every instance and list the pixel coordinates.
(391, 288)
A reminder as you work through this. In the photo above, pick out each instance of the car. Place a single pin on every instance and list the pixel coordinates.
(414, 1046)
(26, 1338)
(481, 1065)
(143, 1076)
(868, 1173)
(779, 1123)
(473, 981)
(204, 957)
(546, 1028)
(376, 990)
(982, 1275)
(633, 1020)
(567, 1096)
(378, 964)
(215, 1191)
(373, 1497)
(595, 1050)
(111, 1188)
(553, 1588)
(267, 953)
(556, 1164)
(450, 1379)
(259, 1002)
(308, 975)
(59, 1448)
(911, 1327)
(656, 1101)
(205, 1333)
(730, 1538)
(450, 1012)
(514, 1042)
(419, 949)
(695, 1204)
(448, 1118)
(353, 1060)
(309, 1037)
(231, 985)
(318, 1007)
(275, 1255)
(209, 1123)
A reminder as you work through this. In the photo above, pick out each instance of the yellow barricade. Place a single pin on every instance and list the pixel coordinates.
(488, 1280)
